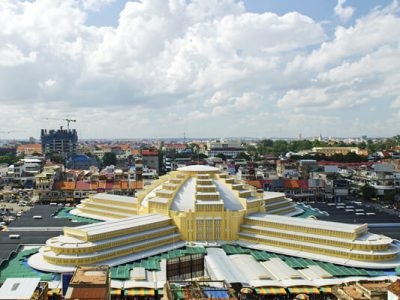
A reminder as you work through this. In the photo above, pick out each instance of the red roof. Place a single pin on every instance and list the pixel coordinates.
(65, 185)
(30, 148)
(256, 183)
(94, 185)
(136, 185)
(303, 183)
(117, 185)
(291, 184)
(176, 146)
(124, 185)
(149, 153)
(89, 293)
(82, 185)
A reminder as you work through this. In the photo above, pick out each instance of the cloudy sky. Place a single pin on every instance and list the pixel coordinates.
(210, 68)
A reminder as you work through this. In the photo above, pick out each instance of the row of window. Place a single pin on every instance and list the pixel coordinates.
(95, 212)
(115, 233)
(112, 202)
(208, 229)
(304, 229)
(116, 208)
(105, 256)
(206, 189)
(329, 242)
(110, 244)
(317, 250)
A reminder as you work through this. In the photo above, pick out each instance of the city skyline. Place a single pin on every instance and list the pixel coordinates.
(136, 69)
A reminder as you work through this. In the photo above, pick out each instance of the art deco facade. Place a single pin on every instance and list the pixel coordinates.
(201, 204)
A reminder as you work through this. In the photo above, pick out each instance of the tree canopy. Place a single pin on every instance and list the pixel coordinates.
(109, 159)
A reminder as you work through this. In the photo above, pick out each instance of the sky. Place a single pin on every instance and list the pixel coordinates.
(203, 68)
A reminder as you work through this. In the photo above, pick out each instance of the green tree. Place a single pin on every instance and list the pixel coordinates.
(109, 159)
(221, 155)
(367, 191)
(57, 158)
(202, 156)
(8, 159)
(265, 146)
(280, 147)
(242, 155)
(252, 150)
(389, 196)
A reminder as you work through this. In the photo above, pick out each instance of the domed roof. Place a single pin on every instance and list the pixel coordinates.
(198, 168)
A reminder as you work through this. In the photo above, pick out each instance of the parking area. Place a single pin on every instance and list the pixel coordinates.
(31, 227)
(11, 241)
(42, 216)
(354, 212)
(351, 212)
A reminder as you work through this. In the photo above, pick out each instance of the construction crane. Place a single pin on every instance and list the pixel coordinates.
(66, 120)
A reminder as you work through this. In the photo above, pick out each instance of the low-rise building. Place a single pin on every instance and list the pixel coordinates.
(82, 162)
(363, 290)
(151, 159)
(329, 151)
(29, 149)
(23, 289)
(89, 283)
(394, 291)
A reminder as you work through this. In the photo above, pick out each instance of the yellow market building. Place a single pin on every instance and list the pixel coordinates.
(200, 204)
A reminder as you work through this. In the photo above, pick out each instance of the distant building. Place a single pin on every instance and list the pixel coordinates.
(89, 283)
(29, 149)
(81, 162)
(59, 141)
(151, 159)
(229, 148)
(175, 147)
(329, 151)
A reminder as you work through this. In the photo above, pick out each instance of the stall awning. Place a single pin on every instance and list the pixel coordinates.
(302, 297)
(327, 290)
(270, 291)
(303, 290)
(54, 292)
(139, 292)
(116, 292)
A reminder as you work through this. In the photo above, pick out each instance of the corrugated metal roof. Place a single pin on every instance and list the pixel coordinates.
(87, 293)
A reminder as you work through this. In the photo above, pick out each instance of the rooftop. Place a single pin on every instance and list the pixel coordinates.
(198, 168)
(104, 196)
(18, 288)
(90, 275)
(349, 228)
(112, 226)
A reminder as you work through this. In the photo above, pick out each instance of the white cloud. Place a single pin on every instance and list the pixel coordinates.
(368, 34)
(191, 64)
(95, 5)
(396, 103)
(47, 83)
(344, 13)
(11, 56)
(371, 78)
